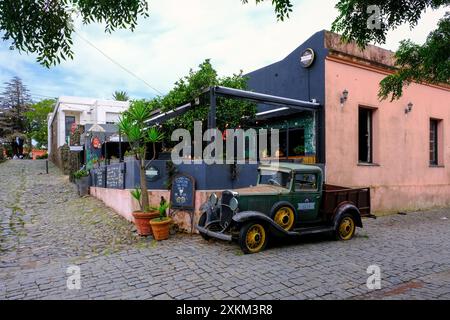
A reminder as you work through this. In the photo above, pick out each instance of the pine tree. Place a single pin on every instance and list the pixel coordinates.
(14, 103)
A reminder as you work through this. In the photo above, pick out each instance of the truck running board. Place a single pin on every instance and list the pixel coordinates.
(304, 231)
(212, 234)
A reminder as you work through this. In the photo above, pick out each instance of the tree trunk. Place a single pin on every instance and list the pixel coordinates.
(145, 200)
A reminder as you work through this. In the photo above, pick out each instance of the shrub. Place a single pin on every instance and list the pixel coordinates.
(44, 156)
(80, 174)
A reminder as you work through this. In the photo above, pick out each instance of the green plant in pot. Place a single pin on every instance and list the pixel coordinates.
(82, 181)
(132, 125)
(161, 225)
(299, 150)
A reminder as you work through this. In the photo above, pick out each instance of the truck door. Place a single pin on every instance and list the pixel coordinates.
(306, 196)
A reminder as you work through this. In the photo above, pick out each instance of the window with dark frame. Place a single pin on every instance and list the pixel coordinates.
(434, 141)
(69, 120)
(365, 140)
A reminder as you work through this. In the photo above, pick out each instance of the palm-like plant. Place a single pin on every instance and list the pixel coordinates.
(121, 96)
(132, 125)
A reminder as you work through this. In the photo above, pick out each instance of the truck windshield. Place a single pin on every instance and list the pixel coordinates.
(276, 178)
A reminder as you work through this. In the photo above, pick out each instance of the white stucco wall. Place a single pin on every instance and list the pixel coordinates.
(85, 110)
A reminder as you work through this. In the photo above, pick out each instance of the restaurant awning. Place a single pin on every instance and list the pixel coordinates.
(283, 105)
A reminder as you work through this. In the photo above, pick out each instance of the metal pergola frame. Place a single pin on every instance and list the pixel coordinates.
(285, 104)
(218, 91)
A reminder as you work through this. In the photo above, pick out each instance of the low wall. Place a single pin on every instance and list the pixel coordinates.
(390, 199)
(123, 203)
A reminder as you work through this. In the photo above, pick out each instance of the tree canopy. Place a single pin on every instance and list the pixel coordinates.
(362, 22)
(37, 121)
(46, 27)
(14, 101)
(231, 113)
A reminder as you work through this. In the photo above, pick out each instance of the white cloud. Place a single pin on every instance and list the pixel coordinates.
(179, 35)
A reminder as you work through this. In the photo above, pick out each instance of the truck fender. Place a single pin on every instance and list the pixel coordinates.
(209, 211)
(347, 208)
(273, 227)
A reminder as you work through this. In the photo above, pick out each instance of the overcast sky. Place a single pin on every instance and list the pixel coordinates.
(178, 36)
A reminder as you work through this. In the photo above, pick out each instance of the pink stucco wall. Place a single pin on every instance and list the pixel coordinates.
(123, 203)
(402, 178)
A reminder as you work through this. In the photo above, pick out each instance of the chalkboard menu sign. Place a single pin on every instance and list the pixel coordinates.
(99, 177)
(182, 194)
(115, 176)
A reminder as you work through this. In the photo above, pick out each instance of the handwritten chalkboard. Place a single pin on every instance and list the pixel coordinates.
(99, 177)
(182, 194)
(115, 174)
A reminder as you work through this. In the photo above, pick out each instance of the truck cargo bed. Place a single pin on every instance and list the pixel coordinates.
(333, 196)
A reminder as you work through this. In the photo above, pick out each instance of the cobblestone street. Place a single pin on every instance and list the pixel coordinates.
(45, 227)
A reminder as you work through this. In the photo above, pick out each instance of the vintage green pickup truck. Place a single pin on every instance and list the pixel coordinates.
(289, 200)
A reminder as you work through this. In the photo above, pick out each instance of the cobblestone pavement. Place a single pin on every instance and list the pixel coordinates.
(45, 228)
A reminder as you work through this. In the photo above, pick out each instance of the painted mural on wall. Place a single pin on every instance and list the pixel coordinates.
(93, 147)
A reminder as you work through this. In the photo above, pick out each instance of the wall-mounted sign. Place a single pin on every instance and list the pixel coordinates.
(115, 176)
(182, 194)
(96, 142)
(76, 148)
(307, 58)
(152, 173)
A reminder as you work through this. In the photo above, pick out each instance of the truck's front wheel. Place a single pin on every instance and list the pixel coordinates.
(201, 223)
(252, 237)
(345, 229)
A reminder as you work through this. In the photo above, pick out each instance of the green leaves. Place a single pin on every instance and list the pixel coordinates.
(137, 194)
(138, 111)
(45, 27)
(154, 136)
(428, 63)
(120, 96)
(282, 7)
(37, 120)
(230, 112)
(132, 124)
(354, 16)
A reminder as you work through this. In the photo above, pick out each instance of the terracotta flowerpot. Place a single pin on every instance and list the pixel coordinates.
(142, 222)
(160, 228)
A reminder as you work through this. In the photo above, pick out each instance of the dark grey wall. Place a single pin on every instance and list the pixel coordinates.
(208, 177)
(287, 78)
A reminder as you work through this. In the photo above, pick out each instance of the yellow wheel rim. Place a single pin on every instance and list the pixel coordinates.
(284, 217)
(346, 228)
(255, 238)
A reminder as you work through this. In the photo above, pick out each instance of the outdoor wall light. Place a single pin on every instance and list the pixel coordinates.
(408, 108)
(344, 96)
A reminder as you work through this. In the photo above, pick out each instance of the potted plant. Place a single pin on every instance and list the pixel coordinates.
(299, 150)
(143, 217)
(161, 225)
(132, 125)
(82, 181)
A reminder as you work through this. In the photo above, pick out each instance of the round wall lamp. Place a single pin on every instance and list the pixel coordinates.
(344, 97)
(408, 108)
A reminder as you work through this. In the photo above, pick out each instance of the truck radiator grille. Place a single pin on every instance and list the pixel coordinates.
(225, 212)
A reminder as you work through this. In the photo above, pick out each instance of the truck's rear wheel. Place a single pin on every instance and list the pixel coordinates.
(346, 227)
(252, 237)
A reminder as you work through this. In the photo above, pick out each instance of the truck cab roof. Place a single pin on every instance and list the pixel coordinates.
(288, 166)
